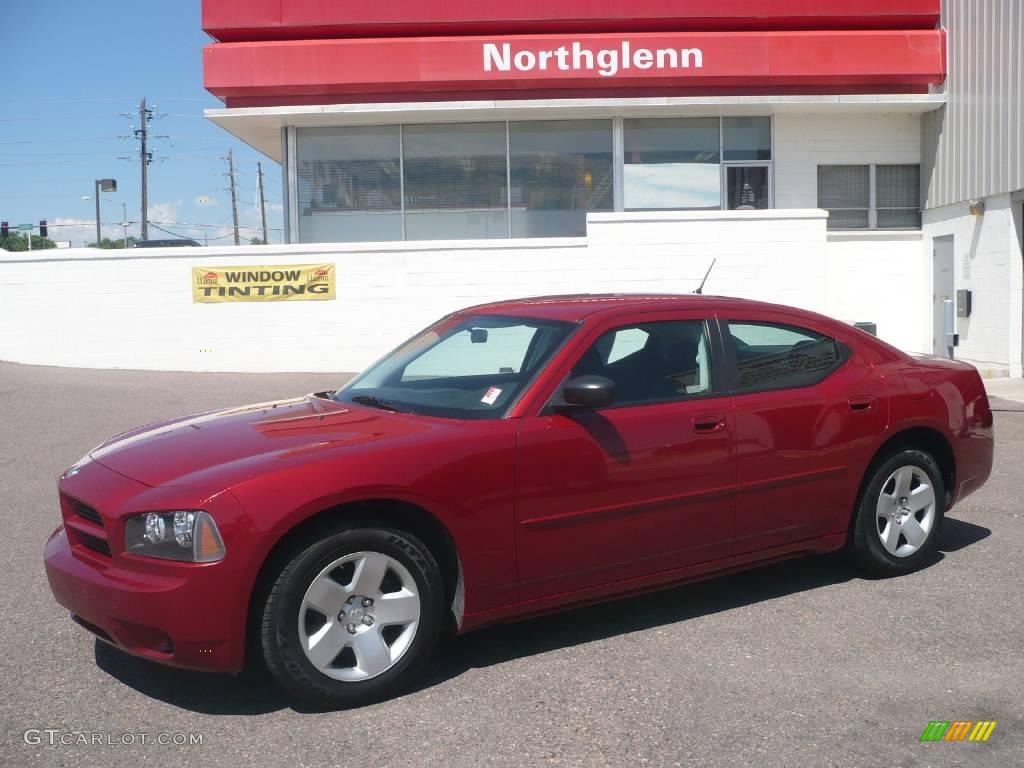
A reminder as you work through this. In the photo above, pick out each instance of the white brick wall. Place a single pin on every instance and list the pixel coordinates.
(102, 309)
(987, 261)
(805, 141)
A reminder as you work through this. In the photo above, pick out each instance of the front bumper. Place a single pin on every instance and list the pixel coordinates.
(169, 619)
(189, 615)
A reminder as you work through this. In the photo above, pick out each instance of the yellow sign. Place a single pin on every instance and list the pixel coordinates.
(290, 282)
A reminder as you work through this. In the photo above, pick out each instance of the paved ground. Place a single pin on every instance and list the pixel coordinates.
(798, 664)
(1006, 388)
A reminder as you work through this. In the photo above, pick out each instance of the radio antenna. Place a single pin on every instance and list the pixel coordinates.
(700, 288)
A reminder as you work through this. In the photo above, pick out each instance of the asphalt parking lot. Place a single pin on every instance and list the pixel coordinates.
(803, 663)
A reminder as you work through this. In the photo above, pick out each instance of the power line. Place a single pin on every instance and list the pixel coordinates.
(59, 141)
(62, 115)
(164, 158)
(63, 154)
(167, 231)
(212, 226)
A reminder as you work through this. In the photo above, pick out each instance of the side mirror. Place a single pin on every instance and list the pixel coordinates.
(589, 392)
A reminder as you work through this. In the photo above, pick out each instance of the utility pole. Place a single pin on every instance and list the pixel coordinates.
(263, 202)
(234, 193)
(146, 157)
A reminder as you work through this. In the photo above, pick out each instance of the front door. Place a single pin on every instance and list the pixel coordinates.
(638, 488)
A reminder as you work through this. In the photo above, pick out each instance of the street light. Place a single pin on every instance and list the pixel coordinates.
(124, 217)
(102, 185)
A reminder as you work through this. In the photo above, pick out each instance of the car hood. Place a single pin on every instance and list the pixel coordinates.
(245, 439)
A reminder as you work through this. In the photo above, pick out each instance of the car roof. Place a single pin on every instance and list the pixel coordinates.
(575, 307)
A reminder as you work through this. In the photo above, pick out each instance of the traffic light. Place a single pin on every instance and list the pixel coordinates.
(5, 229)
(42, 228)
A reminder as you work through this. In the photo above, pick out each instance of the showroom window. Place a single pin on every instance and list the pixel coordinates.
(672, 164)
(535, 178)
(747, 154)
(348, 184)
(870, 196)
(695, 163)
(559, 170)
(456, 181)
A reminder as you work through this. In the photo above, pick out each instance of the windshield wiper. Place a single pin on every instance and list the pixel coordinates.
(375, 402)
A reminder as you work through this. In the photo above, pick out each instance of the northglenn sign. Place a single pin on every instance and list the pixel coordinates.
(607, 62)
(268, 73)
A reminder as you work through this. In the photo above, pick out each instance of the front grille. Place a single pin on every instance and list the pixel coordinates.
(87, 512)
(84, 525)
(95, 543)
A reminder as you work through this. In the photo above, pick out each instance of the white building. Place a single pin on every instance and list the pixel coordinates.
(864, 159)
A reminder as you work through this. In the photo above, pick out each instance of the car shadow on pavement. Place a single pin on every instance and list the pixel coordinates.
(253, 693)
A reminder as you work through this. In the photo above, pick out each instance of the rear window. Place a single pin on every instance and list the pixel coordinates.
(777, 356)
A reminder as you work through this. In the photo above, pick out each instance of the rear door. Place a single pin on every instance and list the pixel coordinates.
(638, 488)
(808, 412)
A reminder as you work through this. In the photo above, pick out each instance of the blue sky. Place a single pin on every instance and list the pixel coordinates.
(69, 69)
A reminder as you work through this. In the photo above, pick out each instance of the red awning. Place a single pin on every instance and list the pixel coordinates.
(250, 20)
(575, 65)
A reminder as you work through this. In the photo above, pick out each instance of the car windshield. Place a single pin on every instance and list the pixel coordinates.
(463, 367)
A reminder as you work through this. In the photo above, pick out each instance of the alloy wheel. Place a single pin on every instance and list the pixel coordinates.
(905, 512)
(359, 616)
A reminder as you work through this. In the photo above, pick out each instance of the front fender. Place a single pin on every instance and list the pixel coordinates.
(466, 482)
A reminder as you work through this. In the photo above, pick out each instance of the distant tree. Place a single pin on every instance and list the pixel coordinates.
(106, 242)
(257, 241)
(18, 242)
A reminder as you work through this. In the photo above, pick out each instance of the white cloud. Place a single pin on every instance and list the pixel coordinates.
(177, 217)
(166, 212)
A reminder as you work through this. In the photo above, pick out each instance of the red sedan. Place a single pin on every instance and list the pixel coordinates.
(512, 459)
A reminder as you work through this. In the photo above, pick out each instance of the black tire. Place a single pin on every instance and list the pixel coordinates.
(866, 548)
(279, 631)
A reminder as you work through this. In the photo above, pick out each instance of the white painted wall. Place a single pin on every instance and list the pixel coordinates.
(134, 309)
(880, 277)
(805, 141)
(987, 262)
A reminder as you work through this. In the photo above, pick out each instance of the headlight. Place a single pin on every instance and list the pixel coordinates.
(188, 535)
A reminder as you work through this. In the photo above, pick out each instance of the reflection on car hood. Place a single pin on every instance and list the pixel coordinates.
(249, 436)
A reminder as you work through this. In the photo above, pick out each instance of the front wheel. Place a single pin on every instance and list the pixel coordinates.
(899, 514)
(353, 618)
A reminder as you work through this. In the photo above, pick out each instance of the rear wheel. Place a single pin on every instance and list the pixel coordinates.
(353, 618)
(899, 514)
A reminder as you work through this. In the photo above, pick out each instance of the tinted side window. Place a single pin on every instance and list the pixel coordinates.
(774, 356)
(651, 362)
